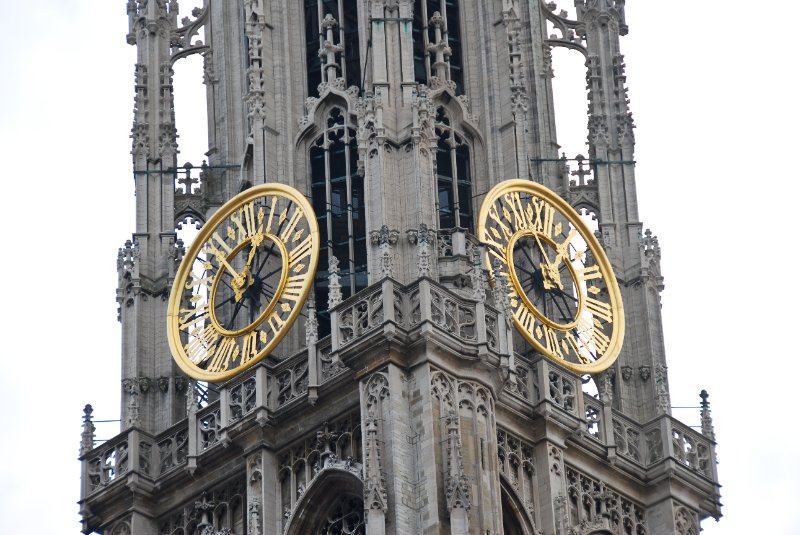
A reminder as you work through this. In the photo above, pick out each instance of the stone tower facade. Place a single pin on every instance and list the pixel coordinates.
(403, 402)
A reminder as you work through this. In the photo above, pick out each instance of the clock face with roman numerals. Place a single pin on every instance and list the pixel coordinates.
(563, 293)
(243, 282)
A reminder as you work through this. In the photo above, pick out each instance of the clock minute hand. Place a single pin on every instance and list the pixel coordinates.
(541, 248)
(220, 256)
(245, 276)
(563, 248)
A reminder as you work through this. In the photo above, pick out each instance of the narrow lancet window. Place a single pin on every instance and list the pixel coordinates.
(337, 193)
(453, 176)
(332, 45)
(437, 43)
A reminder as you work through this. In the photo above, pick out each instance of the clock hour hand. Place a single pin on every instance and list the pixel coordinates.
(552, 278)
(245, 279)
(239, 280)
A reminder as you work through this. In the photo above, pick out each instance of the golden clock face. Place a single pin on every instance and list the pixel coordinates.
(243, 282)
(563, 293)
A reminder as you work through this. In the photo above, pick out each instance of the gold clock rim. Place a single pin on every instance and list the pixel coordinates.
(270, 306)
(173, 307)
(615, 297)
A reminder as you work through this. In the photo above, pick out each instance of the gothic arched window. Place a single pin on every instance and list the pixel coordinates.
(424, 34)
(346, 33)
(337, 194)
(453, 176)
(345, 517)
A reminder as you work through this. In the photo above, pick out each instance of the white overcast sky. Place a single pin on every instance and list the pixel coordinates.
(713, 88)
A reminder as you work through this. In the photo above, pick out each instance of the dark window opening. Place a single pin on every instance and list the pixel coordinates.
(453, 177)
(424, 34)
(337, 193)
(345, 33)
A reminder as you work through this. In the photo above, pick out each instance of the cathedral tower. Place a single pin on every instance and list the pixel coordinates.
(402, 401)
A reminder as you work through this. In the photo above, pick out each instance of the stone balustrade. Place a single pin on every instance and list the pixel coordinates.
(388, 309)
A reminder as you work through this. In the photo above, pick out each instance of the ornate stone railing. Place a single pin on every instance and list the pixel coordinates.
(471, 327)
(628, 437)
(692, 449)
(291, 379)
(387, 306)
(361, 314)
(455, 241)
(593, 410)
(265, 390)
(107, 463)
(129, 452)
(172, 448)
(209, 426)
(241, 398)
(555, 392)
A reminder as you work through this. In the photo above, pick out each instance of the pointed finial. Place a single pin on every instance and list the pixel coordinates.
(311, 322)
(476, 275)
(87, 436)
(334, 286)
(707, 426)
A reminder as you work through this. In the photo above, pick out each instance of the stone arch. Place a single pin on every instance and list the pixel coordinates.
(317, 111)
(516, 518)
(334, 496)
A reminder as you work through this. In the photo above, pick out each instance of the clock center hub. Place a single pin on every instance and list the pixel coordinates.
(541, 271)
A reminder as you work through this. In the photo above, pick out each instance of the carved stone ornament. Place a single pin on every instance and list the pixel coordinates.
(627, 372)
(144, 384)
(476, 275)
(456, 482)
(87, 436)
(180, 384)
(706, 423)
(376, 390)
(385, 239)
(334, 286)
(254, 518)
(644, 372)
(375, 484)
(163, 384)
(662, 393)
(383, 236)
(311, 322)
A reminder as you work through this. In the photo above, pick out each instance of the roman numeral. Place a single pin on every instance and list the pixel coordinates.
(275, 322)
(302, 250)
(249, 347)
(295, 218)
(598, 308)
(227, 351)
(544, 214)
(589, 273)
(271, 213)
(495, 215)
(245, 221)
(514, 202)
(600, 341)
(190, 316)
(205, 282)
(578, 350)
(525, 320)
(293, 290)
(495, 247)
(551, 342)
(202, 344)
